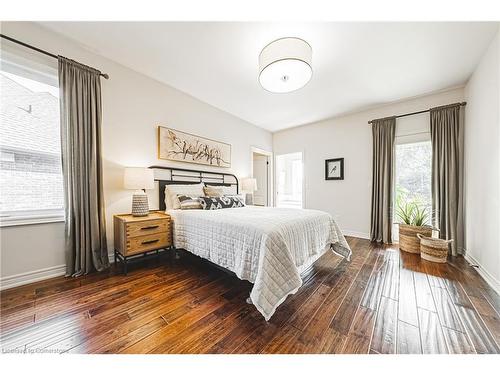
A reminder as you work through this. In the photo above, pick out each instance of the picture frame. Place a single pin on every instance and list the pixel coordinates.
(176, 145)
(334, 169)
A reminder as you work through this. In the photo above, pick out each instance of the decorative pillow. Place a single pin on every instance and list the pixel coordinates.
(212, 191)
(226, 190)
(216, 203)
(241, 197)
(188, 203)
(190, 190)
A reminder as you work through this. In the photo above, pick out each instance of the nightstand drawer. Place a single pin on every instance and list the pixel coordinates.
(147, 227)
(149, 242)
(137, 235)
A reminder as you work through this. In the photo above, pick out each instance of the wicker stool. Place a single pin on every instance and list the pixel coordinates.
(433, 249)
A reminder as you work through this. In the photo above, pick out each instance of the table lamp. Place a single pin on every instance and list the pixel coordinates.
(139, 179)
(248, 185)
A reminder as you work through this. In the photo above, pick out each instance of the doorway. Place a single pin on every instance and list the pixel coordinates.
(262, 172)
(289, 180)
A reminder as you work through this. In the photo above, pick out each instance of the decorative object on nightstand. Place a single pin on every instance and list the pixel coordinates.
(248, 186)
(140, 235)
(139, 179)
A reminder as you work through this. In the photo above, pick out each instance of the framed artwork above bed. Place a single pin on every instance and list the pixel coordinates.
(189, 148)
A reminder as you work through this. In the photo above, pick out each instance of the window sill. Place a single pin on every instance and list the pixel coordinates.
(30, 220)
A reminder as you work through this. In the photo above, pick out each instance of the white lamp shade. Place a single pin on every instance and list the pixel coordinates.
(249, 185)
(138, 178)
(285, 65)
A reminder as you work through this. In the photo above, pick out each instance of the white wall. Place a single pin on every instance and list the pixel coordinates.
(482, 165)
(350, 137)
(133, 106)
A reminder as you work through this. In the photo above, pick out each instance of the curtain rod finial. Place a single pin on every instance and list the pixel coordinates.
(105, 75)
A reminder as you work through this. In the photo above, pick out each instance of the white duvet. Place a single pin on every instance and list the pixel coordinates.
(265, 245)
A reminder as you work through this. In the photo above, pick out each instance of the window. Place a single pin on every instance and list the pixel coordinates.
(412, 167)
(289, 180)
(413, 171)
(31, 187)
(413, 176)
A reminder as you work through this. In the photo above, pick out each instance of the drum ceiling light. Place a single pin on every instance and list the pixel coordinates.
(285, 65)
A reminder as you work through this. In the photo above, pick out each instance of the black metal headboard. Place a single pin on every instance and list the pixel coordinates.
(178, 176)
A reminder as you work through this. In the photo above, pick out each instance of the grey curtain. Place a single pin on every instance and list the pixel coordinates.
(383, 131)
(80, 112)
(447, 174)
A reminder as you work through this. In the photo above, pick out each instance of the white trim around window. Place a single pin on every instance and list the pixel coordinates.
(413, 138)
(9, 219)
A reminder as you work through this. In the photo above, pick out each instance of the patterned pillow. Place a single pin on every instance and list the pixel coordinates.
(188, 203)
(216, 203)
(189, 190)
(241, 197)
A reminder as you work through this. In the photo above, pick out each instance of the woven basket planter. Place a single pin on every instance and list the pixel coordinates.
(408, 240)
(433, 249)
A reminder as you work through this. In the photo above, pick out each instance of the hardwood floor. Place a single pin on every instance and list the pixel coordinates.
(383, 301)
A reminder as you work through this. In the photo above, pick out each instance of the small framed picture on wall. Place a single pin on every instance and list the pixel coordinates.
(334, 169)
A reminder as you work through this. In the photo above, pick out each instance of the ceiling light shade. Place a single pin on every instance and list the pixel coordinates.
(285, 65)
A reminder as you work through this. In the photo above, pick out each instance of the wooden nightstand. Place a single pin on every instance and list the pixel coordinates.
(141, 235)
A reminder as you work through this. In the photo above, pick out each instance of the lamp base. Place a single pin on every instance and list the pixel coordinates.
(140, 205)
(249, 199)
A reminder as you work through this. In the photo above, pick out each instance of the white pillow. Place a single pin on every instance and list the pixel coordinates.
(213, 191)
(226, 190)
(171, 192)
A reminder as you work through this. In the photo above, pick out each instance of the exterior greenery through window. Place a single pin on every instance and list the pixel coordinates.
(413, 177)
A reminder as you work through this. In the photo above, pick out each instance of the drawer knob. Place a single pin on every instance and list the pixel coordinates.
(150, 241)
(150, 227)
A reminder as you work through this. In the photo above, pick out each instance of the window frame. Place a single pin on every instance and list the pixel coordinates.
(412, 138)
(27, 66)
(30, 217)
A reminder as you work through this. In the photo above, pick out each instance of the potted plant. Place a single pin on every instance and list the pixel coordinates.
(413, 220)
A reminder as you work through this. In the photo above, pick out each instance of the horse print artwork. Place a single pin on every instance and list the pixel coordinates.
(179, 146)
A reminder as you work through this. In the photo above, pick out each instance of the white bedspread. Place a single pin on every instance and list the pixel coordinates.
(266, 246)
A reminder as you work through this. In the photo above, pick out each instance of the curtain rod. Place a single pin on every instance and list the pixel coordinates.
(39, 50)
(419, 112)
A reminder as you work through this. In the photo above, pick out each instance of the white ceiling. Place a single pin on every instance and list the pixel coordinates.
(355, 65)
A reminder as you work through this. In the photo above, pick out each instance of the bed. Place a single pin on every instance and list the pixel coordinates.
(267, 246)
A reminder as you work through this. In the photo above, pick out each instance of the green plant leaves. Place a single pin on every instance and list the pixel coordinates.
(411, 212)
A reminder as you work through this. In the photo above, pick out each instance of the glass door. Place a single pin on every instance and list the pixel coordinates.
(289, 180)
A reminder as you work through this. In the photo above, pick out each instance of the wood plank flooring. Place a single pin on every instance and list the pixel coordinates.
(383, 301)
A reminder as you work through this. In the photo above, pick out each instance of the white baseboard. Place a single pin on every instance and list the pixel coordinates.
(8, 282)
(31, 277)
(353, 233)
(494, 283)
